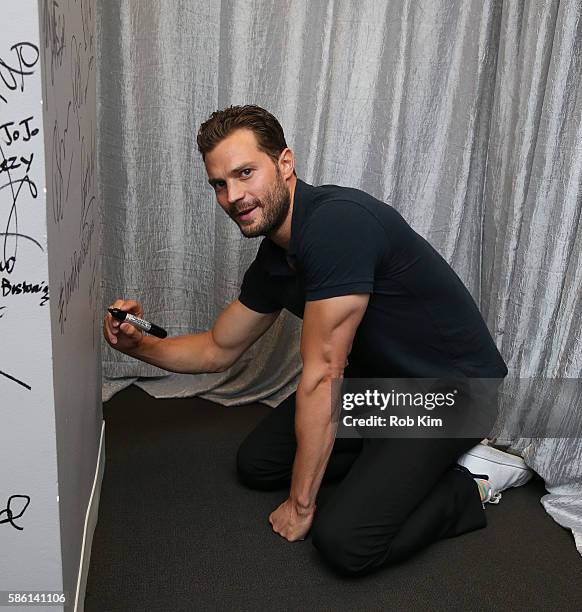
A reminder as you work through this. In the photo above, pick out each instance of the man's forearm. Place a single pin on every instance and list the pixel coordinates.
(188, 354)
(315, 435)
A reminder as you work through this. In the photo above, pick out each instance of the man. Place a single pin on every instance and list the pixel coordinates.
(376, 301)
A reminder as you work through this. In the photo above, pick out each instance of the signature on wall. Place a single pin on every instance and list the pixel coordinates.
(15, 508)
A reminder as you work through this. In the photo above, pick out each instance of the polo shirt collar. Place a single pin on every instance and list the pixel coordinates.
(301, 201)
(278, 259)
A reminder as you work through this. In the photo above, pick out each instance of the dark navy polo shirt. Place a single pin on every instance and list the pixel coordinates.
(421, 321)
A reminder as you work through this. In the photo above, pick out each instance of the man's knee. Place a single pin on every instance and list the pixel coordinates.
(254, 470)
(246, 465)
(339, 549)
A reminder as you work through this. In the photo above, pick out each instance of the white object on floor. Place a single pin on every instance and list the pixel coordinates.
(486, 492)
(503, 470)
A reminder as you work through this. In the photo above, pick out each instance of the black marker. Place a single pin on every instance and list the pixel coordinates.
(145, 326)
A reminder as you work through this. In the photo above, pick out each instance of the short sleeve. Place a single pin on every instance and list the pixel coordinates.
(340, 249)
(256, 290)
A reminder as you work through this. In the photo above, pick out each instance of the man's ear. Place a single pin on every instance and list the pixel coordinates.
(286, 163)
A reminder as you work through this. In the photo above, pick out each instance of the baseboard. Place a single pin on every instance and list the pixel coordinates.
(90, 523)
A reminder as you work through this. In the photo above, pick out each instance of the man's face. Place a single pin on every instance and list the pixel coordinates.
(249, 186)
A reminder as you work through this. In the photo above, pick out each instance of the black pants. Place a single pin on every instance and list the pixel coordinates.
(396, 496)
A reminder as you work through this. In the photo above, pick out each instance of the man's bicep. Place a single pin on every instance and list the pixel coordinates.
(237, 328)
(329, 327)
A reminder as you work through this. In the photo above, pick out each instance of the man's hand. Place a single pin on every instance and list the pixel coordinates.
(292, 522)
(121, 335)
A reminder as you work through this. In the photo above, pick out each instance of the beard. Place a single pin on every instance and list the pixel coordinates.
(274, 207)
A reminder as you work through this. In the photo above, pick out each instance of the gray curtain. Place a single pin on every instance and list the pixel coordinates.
(466, 116)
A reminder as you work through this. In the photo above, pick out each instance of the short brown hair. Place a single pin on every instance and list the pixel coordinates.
(266, 128)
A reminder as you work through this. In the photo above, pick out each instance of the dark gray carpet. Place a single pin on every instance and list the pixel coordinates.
(176, 531)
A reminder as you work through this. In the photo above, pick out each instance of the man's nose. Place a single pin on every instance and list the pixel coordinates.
(235, 193)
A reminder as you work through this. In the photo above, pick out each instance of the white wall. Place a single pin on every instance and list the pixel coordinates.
(30, 552)
(67, 31)
(50, 372)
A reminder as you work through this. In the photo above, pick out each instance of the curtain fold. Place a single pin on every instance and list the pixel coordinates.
(532, 253)
(465, 116)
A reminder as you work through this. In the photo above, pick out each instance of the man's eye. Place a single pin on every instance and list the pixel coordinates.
(249, 170)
